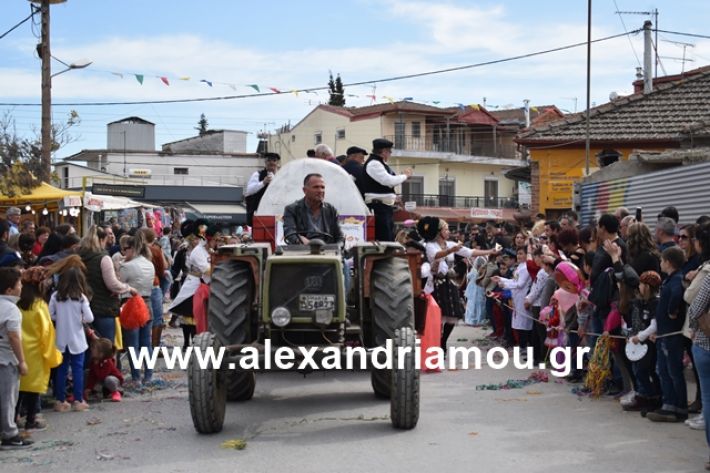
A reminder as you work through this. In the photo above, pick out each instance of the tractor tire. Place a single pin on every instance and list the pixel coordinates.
(391, 308)
(404, 402)
(231, 292)
(206, 390)
(230, 306)
(240, 385)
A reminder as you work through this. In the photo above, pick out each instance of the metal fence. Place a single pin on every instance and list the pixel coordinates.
(467, 144)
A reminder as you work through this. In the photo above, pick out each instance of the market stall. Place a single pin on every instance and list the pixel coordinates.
(46, 205)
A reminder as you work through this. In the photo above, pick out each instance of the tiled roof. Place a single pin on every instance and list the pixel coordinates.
(402, 106)
(667, 114)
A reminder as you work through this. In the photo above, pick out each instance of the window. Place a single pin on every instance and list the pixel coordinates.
(182, 171)
(447, 191)
(293, 138)
(416, 129)
(318, 138)
(340, 134)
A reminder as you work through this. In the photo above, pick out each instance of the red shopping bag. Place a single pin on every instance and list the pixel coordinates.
(134, 313)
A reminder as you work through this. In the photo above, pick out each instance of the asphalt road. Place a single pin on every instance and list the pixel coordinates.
(332, 422)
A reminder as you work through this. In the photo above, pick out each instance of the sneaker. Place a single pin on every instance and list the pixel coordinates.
(80, 406)
(695, 418)
(696, 424)
(15, 442)
(628, 398)
(662, 415)
(37, 426)
(116, 396)
(62, 406)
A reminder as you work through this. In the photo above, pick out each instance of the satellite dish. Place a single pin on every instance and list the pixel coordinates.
(613, 96)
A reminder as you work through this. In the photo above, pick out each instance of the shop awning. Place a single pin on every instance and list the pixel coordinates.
(42, 194)
(97, 203)
(229, 214)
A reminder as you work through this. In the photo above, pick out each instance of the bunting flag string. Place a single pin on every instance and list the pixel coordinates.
(275, 90)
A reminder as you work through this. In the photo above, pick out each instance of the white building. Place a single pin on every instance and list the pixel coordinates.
(217, 158)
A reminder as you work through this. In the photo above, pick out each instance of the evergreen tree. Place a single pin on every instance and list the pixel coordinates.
(202, 125)
(340, 91)
(335, 91)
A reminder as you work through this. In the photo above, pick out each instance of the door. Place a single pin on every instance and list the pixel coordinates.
(491, 194)
(413, 190)
(399, 137)
(447, 191)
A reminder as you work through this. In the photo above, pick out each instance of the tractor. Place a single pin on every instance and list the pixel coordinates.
(267, 295)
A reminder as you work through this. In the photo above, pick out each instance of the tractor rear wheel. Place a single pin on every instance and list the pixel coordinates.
(231, 298)
(391, 307)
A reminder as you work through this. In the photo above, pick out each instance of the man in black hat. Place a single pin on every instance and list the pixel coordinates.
(258, 182)
(355, 159)
(378, 183)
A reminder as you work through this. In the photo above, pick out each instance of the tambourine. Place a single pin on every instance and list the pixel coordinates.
(635, 351)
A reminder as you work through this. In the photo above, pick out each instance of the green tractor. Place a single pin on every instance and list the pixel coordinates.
(264, 296)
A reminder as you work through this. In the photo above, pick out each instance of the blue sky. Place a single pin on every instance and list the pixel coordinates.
(291, 45)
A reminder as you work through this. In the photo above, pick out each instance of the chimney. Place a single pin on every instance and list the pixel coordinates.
(647, 62)
(526, 108)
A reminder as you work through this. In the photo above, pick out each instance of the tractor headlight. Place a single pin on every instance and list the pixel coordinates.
(324, 316)
(280, 316)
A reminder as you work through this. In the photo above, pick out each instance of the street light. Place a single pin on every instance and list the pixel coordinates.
(80, 64)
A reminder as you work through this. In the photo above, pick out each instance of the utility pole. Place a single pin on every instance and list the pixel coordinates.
(587, 141)
(46, 123)
(647, 79)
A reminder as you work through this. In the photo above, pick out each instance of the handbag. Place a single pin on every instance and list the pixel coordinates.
(134, 313)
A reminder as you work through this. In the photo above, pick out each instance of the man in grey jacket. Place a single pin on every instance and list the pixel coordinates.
(311, 217)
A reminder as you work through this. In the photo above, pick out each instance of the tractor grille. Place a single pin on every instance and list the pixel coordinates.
(303, 288)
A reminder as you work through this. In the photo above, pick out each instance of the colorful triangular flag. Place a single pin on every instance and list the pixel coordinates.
(139, 78)
(275, 90)
(254, 86)
(118, 74)
(165, 80)
(206, 82)
(184, 78)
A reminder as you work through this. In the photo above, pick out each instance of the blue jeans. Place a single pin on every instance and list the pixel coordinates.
(702, 362)
(156, 306)
(77, 370)
(669, 365)
(105, 327)
(165, 281)
(137, 338)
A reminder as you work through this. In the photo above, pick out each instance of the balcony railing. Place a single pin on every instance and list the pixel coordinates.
(468, 144)
(461, 201)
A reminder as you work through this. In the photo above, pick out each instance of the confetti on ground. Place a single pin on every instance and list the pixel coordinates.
(535, 377)
(581, 391)
(93, 421)
(235, 444)
(512, 399)
(472, 434)
(533, 393)
(462, 339)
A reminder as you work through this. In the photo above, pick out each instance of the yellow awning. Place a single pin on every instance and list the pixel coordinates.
(44, 193)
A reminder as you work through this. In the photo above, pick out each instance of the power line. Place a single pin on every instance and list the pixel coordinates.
(352, 84)
(20, 23)
(680, 33)
(623, 24)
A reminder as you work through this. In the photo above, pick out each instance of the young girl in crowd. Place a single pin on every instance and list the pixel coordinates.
(475, 297)
(104, 378)
(39, 345)
(642, 326)
(69, 308)
(519, 285)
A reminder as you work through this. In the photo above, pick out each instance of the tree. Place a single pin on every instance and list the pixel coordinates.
(202, 125)
(21, 158)
(336, 91)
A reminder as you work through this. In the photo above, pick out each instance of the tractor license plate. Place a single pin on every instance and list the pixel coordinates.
(313, 302)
